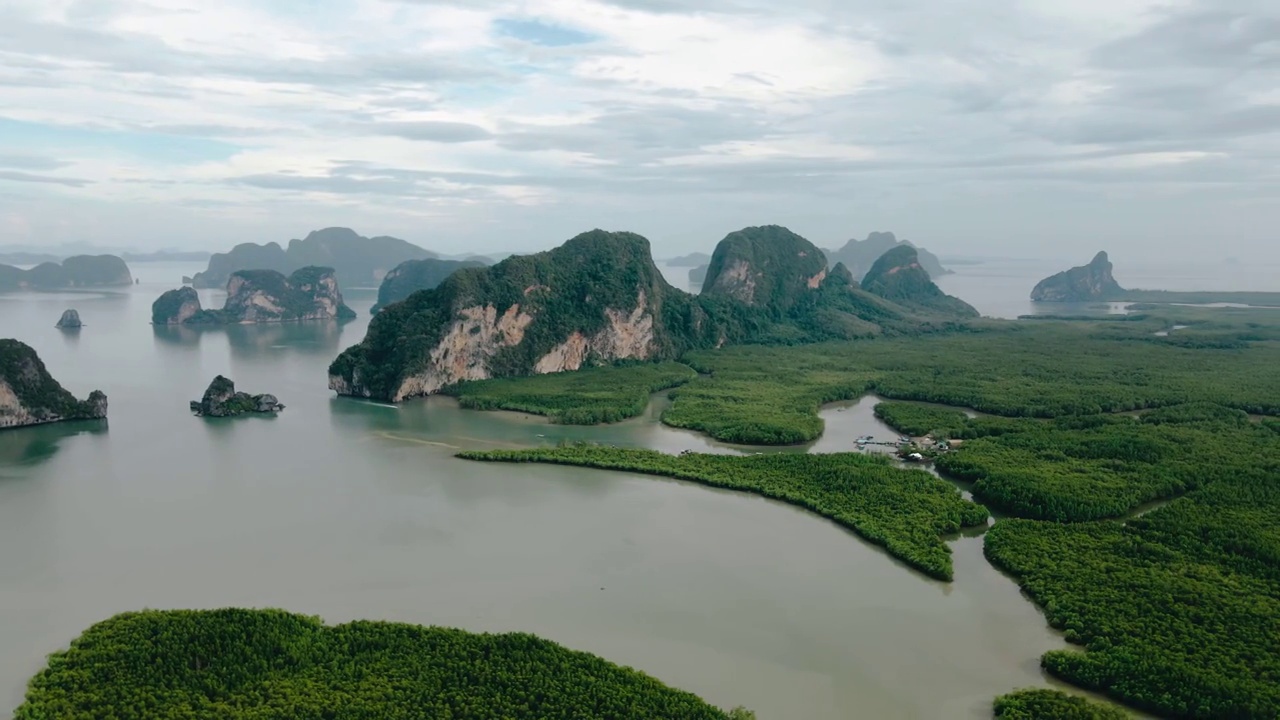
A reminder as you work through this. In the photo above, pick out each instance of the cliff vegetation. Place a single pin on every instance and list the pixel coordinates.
(30, 396)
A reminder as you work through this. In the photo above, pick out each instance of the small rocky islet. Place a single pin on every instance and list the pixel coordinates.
(222, 400)
(70, 320)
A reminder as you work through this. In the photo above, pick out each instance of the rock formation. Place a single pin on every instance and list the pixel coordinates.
(30, 396)
(186, 280)
(698, 276)
(1086, 283)
(79, 271)
(860, 255)
(599, 298)
(70, 320)
(898, 277)
(356, 260)
(221, 400)
(690, 260)
(411, 276)
(176, 307)
(259, 296)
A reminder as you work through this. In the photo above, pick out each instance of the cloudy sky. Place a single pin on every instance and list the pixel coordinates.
(1025, 127)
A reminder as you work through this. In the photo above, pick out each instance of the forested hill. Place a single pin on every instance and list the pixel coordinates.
(600, 298)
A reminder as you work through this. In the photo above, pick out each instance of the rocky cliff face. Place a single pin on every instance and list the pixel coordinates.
(899, 277)
(357, 260)
(259, 296)
(411, 276)
(1086, 283)
(30, 396)
(860, 255)
(767, 267)
(79, 271)
(176, 307)
(221, 400)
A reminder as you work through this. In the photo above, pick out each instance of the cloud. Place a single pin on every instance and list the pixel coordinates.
(1009, 122)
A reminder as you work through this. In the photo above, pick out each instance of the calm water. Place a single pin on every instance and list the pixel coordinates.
(350, 509)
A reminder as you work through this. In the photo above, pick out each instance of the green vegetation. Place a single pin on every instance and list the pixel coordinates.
(905, 511)
(588, 397)
(1257, 299)
(41, 397)
(167, 308)
(1086, 283)
(307, 294)
(1039, 704)
(413, 275)
(860, 255)
(898, 277)
(271, 665)
(766, 267)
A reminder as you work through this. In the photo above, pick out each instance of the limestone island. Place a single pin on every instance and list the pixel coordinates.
(860, 255)
(259, 296)
(1087, 283)
(70, 320)
(600, 298)
(30, 396)
(356, 260)
(222, 400)
(411, 276)
(76, 272)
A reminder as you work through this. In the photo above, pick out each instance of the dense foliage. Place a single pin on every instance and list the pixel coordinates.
(165, 310)
(589, 397)
(860, 255)
(898, 277)
(23, 373)
(766, 267)
(270, 665)
(411, 276)
(78, 271)
(904, 511)
(1039, 704)
(303, 295)
(1258, 299)
(358, 261)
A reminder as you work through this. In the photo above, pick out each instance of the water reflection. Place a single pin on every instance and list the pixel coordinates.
(303, 338)
(36, 444)
(185, 336)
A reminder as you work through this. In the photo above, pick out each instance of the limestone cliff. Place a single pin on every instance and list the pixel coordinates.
(1086, 283)
(30, 396)
(357, 260)
(259, 296)
(898, 277)
(411, 276)
(79, 271)
(599, 298)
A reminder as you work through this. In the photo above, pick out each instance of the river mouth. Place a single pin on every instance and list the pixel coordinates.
(350, 509)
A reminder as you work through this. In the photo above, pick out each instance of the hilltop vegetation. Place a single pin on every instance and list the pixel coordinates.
(411, 276)
(860, 255)
(905, 511)
(1052, 705)
(29, 395)
(272, 665)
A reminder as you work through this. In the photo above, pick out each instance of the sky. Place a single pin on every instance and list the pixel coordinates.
(987, 127)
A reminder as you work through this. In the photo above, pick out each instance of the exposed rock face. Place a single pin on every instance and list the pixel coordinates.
(767, 267)
(222, 400)
(860, 255)
(357, 260)
(260, 296)
(176, 307)
(599, 298)
(1080, 284)
(70, 320)
(30, 396)
(411, 276)
(79, 271)
(898, 277)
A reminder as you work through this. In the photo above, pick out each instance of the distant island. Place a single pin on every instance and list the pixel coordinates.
(690, 260)
(860, 255)
(357, 260)
(698, 276)
(30, 396)
(76, 272)
(168, 256)
(600, 298)
(411, 276)
(1094, 282)
(220, 399)
(28, 258)
(259, 296)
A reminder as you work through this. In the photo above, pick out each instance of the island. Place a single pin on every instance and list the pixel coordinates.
(259, 296)
(274, 664)
(860, 255)
(76, 272)
(690, 260)
(599, 298)
(357, 260)
(30, 396)
(411, 276)
(221, 400)
(70, 320)
(1086, 283)
(698, 276)
(899, 275)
